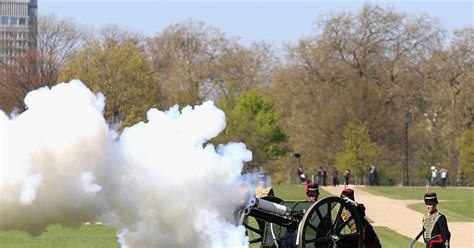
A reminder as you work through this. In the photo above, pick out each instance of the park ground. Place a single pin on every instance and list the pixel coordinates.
(395, 213)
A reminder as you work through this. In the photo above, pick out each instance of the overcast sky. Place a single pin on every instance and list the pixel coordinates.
(275, 22)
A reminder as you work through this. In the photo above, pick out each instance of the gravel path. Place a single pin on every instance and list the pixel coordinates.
(395, 214)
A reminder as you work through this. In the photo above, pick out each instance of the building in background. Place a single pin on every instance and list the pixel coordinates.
(18, 28)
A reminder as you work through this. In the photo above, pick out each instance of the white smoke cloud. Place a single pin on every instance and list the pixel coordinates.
(87, 179)
(30, 189)
(159, 184)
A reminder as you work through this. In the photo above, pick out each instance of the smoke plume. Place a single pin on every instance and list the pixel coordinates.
(159, 183)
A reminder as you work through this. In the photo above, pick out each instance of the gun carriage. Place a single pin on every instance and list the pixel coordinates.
(329, 222)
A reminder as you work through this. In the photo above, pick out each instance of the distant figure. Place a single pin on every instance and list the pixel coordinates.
(347, 177)
(435, 226)
(444, 177)
(301, 176)
(325, 176)
(319, 175)
(263, 189)
(335, 177)
(373, 177)
(434, 175)
(312, 192)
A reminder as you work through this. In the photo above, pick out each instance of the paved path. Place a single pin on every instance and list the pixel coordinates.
(395, 214)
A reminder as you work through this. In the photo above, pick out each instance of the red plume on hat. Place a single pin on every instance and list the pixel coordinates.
(349, 193)
(430, 198)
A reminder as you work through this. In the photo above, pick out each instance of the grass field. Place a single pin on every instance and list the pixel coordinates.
(294, 192)
(391, 239)
(98, 236)
(455, 203)
(88, 236)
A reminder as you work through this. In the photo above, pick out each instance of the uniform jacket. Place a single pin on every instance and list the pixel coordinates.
(436, 234)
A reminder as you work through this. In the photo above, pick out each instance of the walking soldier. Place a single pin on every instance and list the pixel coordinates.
(435, 226)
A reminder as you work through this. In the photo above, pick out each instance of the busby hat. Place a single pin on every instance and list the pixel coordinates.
(430, 198)
(312, 189)
(349, 193)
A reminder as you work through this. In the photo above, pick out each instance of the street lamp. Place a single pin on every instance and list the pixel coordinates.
(297, 156)
(299, 170)
(406, 121)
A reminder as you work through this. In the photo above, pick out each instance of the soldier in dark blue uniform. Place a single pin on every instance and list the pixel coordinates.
(435, 226)
(369, 237)
(312, 192)
(263, 188)
(289, 239)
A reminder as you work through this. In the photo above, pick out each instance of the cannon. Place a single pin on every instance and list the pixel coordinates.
(327, 223)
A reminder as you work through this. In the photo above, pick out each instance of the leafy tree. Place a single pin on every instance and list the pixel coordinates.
(121, 71)
(466, 145)
(255, 121)
(358, 152)
(371, 67)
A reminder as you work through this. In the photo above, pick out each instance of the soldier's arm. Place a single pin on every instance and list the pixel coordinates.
(271, 193)
(443, 227)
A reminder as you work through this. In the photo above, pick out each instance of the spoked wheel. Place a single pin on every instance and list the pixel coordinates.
(330, 223)
(255, 228)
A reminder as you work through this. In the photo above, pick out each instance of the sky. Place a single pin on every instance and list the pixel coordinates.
(275, 22)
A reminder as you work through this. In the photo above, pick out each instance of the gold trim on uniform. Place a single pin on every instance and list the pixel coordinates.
(429, 220)
(262, 191)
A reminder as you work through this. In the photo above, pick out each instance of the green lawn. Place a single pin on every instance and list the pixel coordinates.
(98, 236)
(88, 236)
(391, 239)
(455, 203)
(294, 192)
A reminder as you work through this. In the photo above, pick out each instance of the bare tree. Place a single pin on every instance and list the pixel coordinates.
(40, 65)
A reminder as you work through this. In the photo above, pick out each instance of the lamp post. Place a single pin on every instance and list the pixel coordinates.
(299, 170)
(297, 156)
(406, 121)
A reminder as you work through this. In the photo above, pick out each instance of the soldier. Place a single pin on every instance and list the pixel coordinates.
(289, 239)
(369, 237)
(435, 226)
(263, 189)
(312, 192)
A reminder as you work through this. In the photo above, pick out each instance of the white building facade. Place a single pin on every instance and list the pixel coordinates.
(18, 28)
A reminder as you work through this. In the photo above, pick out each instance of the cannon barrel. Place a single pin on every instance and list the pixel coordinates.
(268, 206)
(272, 212)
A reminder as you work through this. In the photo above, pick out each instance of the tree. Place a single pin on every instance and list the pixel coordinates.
(446, 102)
(365, 68)
(39, 66)
(121, 71)
(466, 146)
(184, 56)
(357, 152)
(196, 62)
(255, 121)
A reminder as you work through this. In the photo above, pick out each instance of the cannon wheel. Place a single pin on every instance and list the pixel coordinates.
(255, 228)
(330, 223)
